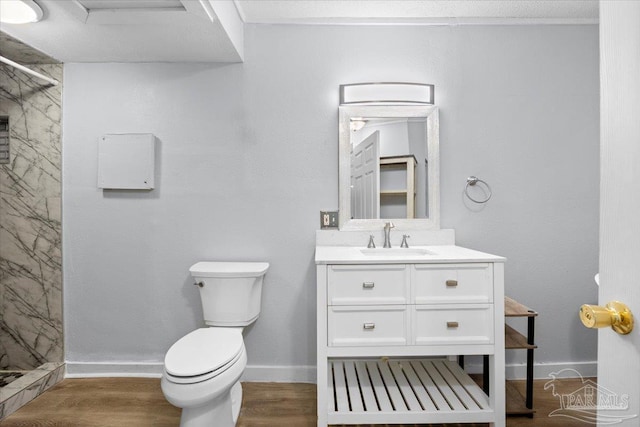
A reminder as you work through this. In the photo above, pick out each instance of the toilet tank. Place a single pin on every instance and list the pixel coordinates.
(230, 291)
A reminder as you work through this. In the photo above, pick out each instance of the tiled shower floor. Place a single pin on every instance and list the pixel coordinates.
(7, 377)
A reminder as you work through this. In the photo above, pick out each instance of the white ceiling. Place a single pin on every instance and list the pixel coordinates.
(212, 30)
(418, 11)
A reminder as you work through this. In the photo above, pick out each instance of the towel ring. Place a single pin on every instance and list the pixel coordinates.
(473, 180)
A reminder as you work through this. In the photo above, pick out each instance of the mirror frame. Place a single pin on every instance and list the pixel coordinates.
(345, 114)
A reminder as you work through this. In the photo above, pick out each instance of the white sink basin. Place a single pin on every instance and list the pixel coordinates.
(395, 252)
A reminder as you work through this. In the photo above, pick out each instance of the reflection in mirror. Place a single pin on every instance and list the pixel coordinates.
(389, 166)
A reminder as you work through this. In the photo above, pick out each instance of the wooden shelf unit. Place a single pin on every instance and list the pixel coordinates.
(406, 163)
(514, 340)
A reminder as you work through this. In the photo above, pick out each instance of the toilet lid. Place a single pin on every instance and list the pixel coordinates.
(228, 269)
(202, 351)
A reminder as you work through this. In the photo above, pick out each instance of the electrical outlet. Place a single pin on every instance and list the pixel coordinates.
(328, 219)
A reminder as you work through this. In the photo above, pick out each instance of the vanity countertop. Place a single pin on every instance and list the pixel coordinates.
(414, 254)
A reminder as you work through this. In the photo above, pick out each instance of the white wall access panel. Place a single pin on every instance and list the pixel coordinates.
(126, 161)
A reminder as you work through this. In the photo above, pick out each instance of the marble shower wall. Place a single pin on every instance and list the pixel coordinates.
(30, 220)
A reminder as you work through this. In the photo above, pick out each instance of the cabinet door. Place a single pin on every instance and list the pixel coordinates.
(368, 325)
(453, 324)
(368, 284)
(452, 283)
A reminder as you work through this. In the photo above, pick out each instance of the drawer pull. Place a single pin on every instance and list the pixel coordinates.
(452, 324)
(369, 326)
(452, 283)
(368, 285)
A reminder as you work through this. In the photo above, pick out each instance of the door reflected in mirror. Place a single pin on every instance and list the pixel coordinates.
(389, 166)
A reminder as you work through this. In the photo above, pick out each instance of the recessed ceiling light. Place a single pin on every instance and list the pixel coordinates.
(19, 11)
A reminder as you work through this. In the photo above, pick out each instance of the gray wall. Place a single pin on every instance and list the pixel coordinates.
(248, 156)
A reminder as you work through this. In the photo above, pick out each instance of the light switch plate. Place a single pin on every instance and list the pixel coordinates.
(328, 219)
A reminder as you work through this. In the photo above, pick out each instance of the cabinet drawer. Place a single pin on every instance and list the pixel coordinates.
(453, 283)
(453, 324)
(362, 284)
(367, 325)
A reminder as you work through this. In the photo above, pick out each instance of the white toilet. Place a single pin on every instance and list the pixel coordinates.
(202, 369)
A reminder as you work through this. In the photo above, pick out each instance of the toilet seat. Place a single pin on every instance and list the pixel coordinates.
(203, 354)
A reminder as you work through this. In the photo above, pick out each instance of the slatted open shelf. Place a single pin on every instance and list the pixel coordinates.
(408, 391)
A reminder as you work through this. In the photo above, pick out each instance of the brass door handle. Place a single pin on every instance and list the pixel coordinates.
(614, 314)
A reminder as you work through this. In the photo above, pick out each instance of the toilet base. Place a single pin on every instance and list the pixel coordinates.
(236, 401)
(216, 413)
(221, 412)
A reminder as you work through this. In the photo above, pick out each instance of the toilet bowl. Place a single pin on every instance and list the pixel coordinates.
(199, 373)
(202, 370)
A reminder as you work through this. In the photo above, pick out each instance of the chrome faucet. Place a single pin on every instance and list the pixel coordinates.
(387, 230)
(404, 243)
(371, 244)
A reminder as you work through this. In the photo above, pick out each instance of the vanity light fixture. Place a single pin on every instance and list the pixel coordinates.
(387, 93)
(20, 12)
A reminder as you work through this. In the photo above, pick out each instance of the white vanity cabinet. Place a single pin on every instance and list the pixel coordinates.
(387, 329)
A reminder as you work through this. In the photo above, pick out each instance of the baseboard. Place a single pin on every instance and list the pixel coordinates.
(306, 374)
(280, 374)
(252, 373)
(113, 369)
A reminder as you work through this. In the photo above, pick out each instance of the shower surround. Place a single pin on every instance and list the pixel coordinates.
(30, 226)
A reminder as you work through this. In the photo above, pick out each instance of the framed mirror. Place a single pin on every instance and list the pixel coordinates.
(389, 167)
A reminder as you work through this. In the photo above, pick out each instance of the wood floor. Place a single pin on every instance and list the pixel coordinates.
(138, 402)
